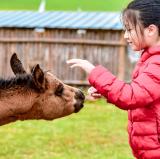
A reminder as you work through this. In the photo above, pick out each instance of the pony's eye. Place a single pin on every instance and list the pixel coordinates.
(59, 90)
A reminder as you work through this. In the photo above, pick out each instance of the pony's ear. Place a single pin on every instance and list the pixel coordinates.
(16, 65)
(38, 78)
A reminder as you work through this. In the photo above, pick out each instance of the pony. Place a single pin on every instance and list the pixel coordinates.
(36, 95)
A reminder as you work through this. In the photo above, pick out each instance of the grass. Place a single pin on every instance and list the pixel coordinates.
(85, 5)
(97, 132)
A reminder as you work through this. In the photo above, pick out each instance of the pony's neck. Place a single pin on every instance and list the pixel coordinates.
(12, 107)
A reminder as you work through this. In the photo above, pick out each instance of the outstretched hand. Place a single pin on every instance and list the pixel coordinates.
(84, 64)
(87, 67)
(94, 93)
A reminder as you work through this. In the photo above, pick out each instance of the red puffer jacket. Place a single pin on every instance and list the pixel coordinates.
(141, 98)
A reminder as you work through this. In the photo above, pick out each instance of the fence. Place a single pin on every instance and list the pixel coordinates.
(52, 47)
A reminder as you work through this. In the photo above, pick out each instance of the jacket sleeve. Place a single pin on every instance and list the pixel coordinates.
(139, 93)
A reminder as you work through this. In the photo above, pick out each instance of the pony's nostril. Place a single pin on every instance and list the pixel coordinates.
(80, 95)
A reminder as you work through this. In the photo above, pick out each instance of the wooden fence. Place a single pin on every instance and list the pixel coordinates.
(52, 47)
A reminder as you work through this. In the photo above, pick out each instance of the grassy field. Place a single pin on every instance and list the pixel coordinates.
(97, 132)
(85, 5)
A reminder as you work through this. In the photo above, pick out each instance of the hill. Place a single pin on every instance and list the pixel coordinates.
(73, 5)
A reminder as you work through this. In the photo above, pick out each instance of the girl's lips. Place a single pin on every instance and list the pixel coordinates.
(130, 43)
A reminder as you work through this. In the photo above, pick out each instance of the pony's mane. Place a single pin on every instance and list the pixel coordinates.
(24, 80)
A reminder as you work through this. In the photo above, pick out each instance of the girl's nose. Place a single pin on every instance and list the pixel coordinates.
(126, 35)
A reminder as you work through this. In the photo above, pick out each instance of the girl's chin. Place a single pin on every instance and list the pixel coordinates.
(134, 48)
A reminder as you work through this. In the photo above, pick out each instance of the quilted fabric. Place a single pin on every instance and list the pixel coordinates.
(140, 97)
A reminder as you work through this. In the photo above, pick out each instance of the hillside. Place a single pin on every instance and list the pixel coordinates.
(84, 5)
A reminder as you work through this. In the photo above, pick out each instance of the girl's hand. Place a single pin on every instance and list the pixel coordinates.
(94, 93)
(84, 64)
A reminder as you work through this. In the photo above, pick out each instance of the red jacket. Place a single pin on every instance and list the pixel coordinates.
(141, 98)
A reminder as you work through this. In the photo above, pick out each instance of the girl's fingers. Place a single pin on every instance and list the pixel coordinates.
(96, 96)
(92, 90)
(75, 65)
(73, 61)
(84, 64)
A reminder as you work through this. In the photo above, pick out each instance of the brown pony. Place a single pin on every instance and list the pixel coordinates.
(37, 95)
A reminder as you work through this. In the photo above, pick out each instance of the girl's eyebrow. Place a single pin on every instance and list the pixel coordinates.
(128, 26)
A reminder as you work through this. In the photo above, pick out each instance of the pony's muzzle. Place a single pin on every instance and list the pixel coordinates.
(79, 96)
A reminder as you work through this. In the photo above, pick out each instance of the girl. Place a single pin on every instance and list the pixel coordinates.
(141, 97)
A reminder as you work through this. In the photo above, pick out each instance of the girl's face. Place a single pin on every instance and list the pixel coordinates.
(134, 37)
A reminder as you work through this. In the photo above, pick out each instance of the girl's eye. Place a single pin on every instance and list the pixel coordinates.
(59, 90)
(129, 29)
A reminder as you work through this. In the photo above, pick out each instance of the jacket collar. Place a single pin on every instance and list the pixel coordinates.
(149, 52)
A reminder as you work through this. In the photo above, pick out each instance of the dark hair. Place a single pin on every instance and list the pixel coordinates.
(143, 13)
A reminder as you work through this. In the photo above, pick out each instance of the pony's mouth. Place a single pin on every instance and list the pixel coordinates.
(80, 100)
(78, 107)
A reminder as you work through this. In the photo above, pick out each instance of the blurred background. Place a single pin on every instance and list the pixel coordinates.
(49, 32)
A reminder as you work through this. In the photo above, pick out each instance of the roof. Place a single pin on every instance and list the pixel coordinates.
(60, 19)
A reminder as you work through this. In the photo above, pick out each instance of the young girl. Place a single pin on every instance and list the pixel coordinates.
(141, 97)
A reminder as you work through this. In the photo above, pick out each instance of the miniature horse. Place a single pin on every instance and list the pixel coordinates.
(37, 95)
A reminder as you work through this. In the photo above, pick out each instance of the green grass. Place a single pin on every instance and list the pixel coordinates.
(97, 132)
(84, 5)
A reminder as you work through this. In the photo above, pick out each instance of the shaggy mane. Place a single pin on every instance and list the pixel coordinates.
(24, 80)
